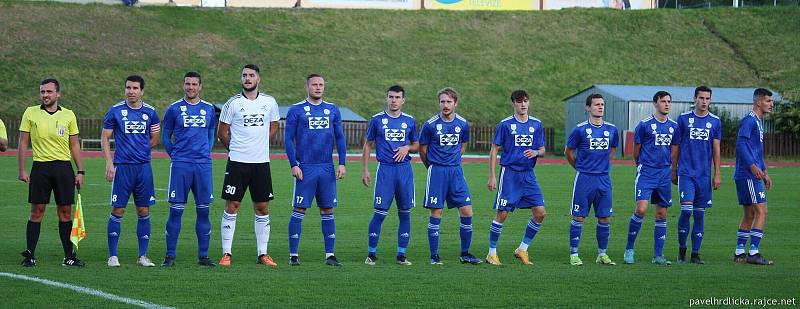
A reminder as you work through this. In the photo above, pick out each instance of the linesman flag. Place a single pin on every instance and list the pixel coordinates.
(78, 228)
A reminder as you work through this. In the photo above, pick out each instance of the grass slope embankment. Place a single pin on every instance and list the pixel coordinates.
(485, 55)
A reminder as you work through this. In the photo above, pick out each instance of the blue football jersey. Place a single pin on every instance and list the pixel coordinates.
(132, 127)
(311, 131)
(514, 137)
(695, 139)
(749, 146)
(190, 125)
(593, 145)
(444, 139)
(656, 140)
(391, 133)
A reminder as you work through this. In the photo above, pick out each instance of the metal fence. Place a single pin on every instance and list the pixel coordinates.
(775, 145)
(480, 136)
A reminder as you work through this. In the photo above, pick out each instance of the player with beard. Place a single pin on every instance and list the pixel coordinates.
(246, 124)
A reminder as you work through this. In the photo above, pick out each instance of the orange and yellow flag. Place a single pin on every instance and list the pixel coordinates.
(78, 227)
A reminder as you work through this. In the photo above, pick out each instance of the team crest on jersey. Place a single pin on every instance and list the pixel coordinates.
(439, 128)
(394, 135)
(513, 128)
(663, 139)
(307, 108)
(458, 129)
(448, 139)
(708, 125)
(194, 121)
(598, 143)
(144, 117)
(183, 108)
(124, 113)
(403, 125)
(203, 112)
(606, 134)
(327, 111)
(653, 127)
(316, 123)
(135, 127)
(588, 132)
(531, 129)
(671, 130)
(253, 120)
(699, 134)
(523, 140)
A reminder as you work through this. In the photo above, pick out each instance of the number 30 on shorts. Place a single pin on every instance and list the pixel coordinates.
(230, 190)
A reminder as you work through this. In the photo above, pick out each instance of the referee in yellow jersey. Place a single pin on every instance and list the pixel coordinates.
(53, 132)
(3, 136)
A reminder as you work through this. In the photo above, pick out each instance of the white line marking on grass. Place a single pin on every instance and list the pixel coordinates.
(84, 290)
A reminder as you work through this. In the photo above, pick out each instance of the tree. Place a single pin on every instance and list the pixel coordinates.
(786, 118)
(730, 125)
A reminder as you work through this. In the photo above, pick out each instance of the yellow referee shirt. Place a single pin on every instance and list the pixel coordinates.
(3, 133)
(49, 133)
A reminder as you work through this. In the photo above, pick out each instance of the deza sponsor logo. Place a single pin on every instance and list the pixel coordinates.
(701, 134)
(448, 139)
(135, 126)
(395, 135)
(524, 140)
(253, 120)
(194, 121)
(598, 143)
(318, 123)
(663, 139)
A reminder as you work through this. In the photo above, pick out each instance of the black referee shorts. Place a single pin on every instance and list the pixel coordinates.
(52, 176)
(239, 176)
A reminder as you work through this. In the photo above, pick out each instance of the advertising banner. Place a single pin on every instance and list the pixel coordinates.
(363, 4)
(257, 3)
(506, 5)
(614, 4)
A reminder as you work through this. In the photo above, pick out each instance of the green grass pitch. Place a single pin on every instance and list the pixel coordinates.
(551, 282)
